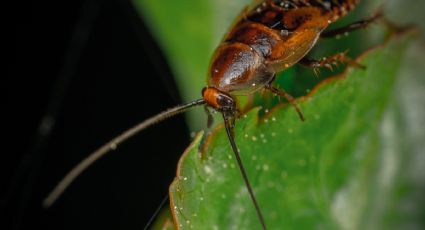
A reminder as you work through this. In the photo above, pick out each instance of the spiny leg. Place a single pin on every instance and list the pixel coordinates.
(351, 27)
(281, 92)
(329, 62)
(210, 117)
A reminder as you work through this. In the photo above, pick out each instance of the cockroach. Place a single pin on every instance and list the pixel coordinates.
(266, 38)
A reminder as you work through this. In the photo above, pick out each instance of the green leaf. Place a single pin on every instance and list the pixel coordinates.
(337, 170)
(164, 221)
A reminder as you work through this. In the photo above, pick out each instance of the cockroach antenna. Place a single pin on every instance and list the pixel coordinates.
(112, 145)
(229, 125)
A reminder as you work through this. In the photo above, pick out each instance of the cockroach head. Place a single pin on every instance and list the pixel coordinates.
(219, 100)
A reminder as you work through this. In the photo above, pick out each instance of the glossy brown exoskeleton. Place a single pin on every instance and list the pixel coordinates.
(266, 38)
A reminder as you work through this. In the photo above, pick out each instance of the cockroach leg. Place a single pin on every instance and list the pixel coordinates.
(210, 118)
(336, 33)
(305, 2)
(326, 5)
(396, 29)
(288, 97)
(329, 62)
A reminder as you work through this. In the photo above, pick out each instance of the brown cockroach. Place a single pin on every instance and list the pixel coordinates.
(267, 38)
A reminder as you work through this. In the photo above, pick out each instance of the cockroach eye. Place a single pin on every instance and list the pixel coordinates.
(225, 102)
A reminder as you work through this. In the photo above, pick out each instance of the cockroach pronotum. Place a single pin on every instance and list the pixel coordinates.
(267, 38)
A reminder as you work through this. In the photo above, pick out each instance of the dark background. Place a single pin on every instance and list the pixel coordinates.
(89, 69)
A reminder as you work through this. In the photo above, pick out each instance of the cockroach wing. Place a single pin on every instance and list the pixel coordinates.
(244, 13)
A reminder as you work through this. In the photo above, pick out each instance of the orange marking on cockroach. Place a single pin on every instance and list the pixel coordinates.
(267, 38)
